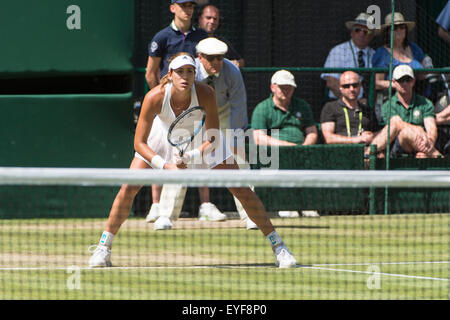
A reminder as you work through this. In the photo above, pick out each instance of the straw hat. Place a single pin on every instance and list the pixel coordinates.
(362, 19)
(398, 19)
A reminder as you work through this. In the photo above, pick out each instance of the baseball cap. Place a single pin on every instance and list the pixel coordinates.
(283, 77)
(183, 1)
(181, 61)
(402, 71)
(212, 46)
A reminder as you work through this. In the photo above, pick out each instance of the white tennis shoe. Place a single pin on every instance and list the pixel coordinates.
(101, 256)
(153, 214)
(162, 223)
(209, 212)
(250, 224)
(288, 214)
(285, 259)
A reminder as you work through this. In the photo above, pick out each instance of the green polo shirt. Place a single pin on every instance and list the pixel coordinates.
(291, 124)
(419, 109)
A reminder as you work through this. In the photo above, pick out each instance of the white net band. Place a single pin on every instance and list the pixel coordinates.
(224, 178)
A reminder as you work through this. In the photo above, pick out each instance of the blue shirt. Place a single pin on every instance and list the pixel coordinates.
(345, 55)
(382, 56)
(444, 17)
(171, 40)
(231, 96)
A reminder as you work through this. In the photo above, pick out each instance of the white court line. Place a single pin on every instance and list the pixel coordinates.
(379, 273)
(379, 263)
(325, 267)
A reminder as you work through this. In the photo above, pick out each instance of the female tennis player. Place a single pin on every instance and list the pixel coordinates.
(176, 93)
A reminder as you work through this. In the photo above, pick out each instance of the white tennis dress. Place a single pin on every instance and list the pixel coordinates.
(157, 139)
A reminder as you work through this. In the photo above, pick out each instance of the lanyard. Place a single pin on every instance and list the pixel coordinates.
(354, 56)
(347, 122)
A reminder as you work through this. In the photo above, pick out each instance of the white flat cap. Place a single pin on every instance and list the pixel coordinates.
(212, 46)
(283, 77)
(402, 71)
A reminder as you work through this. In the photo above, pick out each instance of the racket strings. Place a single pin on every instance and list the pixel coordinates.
(186, 127)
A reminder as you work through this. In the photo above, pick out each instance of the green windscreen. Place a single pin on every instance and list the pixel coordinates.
(62, 36)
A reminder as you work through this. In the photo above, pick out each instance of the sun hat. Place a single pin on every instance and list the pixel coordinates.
(362, 19)
(398, 19)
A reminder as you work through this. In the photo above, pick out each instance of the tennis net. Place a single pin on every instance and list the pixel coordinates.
(344, 245)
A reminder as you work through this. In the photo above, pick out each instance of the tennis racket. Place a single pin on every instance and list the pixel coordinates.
(184, 128)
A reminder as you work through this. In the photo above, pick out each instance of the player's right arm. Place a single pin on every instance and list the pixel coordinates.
(151, 106)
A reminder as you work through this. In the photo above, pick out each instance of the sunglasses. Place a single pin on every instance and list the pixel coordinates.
(365, 31)
(211, 58)
(405, 80)
(348, 85)
(400, 26)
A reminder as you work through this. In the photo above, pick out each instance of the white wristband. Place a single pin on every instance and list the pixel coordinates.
(157, 162)
(193, 154)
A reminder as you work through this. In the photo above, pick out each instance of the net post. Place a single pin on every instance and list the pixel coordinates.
(372, 166)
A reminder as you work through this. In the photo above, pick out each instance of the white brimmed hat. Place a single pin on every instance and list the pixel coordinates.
(362, 19)
(398, 19)
(181, 61)
(212, 46)
(402, 71)
(283, 77)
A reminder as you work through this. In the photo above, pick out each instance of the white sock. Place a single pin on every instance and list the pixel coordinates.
(275, 241)
(106, 239)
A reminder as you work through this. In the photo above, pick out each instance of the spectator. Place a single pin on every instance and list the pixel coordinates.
(354, 53)
(180, 36)
(443, 20)
(209, 20)
(443, 123)
(231, 98)
(290, 116)
(415, 117)
(346, 120)
(404, 51)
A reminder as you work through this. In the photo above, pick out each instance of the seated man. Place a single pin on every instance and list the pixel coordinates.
(292, 116)
(347, 120)
(282, 119)
(414, 117)
(354, 53)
